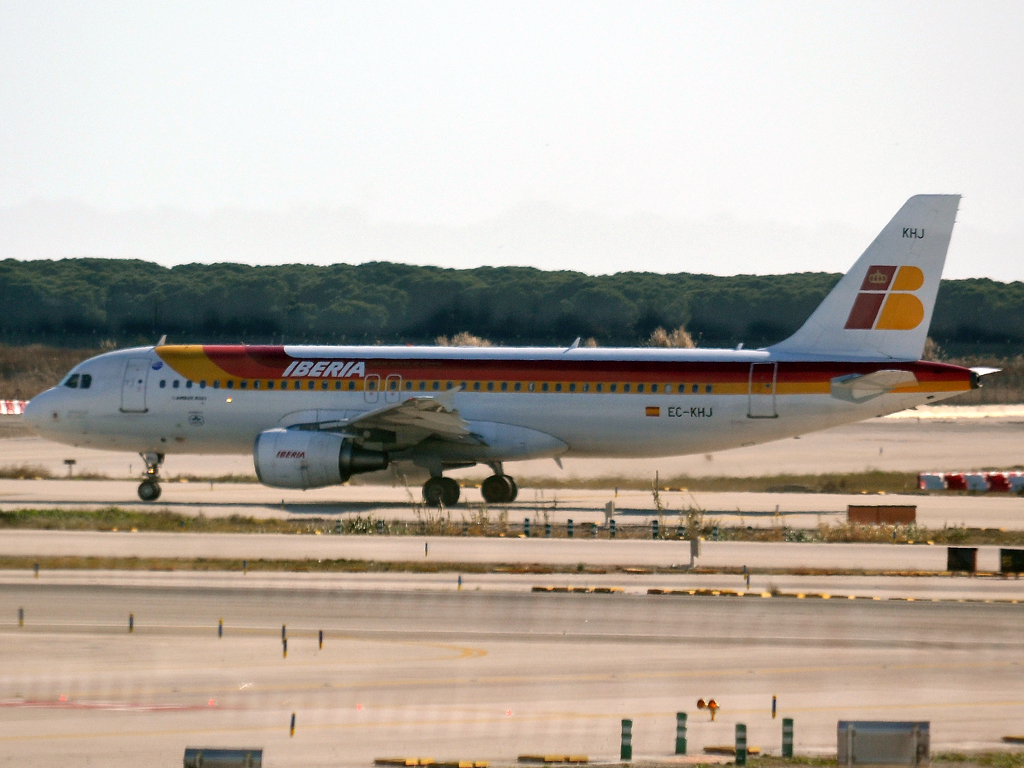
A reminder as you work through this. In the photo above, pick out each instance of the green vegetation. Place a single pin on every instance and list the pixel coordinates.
(87, 301)
(481, 521)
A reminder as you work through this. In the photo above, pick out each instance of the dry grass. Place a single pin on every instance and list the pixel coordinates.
(24, 472)
(27, 371)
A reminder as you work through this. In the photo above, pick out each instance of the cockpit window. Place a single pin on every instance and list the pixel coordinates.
(86, 380)
(72, 381)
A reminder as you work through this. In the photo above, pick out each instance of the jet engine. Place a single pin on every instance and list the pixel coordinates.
(296, 458)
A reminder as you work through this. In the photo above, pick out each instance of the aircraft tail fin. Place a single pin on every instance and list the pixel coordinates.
(882, 307)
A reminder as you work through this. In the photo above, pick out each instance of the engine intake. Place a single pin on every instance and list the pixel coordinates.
(295, 458)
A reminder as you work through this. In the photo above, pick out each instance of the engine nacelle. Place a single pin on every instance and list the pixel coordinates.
(298, 458)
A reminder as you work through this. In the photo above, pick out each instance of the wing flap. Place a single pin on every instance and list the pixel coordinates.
(858, 388)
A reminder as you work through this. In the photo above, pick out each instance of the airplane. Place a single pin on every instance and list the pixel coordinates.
(314, 416)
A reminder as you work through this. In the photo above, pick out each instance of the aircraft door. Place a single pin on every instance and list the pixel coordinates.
(133, 388)
(392, 388)
(761, 391)
(371, 388)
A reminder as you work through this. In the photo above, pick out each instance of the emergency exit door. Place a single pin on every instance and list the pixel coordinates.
(761, 391)
(133, 389)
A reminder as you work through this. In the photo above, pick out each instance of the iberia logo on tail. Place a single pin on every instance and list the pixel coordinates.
(886, 301)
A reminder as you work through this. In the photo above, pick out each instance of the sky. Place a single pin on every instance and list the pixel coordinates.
(719, 137)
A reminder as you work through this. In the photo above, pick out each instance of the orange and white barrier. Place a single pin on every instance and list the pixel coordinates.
(12, 407)
(996, 482)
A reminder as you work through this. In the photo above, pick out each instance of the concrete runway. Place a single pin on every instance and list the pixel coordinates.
(473, 549)
(480, 675)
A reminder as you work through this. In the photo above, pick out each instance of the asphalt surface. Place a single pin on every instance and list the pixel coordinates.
(480, 675)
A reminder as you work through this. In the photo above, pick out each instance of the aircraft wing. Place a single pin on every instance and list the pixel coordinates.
(857, 387)
(404, 424)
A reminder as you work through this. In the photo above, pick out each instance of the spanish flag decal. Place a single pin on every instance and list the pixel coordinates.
(652, 410)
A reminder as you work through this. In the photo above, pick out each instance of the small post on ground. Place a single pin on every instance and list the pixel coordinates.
(611, 528)
(460, 582)
(284, 631)
(774, 706)
(526, 527)
(291, 730)
(654, 529)
(320, 639)
(741, 744)
(36, 569)
(284, 648)
(131, 622)
(547, 530)
(569, 528)
(220, 628)
(680, 733)
(787, 737)
(626, 747)
(245, 567)
(21, 617)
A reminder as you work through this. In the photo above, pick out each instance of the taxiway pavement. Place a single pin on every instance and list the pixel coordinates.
(480, 675)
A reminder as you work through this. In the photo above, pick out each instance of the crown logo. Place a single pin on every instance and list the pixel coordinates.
(878, 278)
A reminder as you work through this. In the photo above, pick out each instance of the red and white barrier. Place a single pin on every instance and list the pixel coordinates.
(12, 407)
(995, 482)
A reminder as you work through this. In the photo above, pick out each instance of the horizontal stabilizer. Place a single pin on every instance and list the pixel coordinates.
(858, 388)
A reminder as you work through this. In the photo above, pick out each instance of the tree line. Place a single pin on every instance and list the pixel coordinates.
(87, 302)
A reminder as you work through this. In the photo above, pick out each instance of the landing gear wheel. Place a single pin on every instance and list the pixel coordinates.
(515, 488)
(441, 491)
(498, 489)
(149, 491)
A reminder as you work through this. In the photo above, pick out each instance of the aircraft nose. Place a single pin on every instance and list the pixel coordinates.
(37, 412)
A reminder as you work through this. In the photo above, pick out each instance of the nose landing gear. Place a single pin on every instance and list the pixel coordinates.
(149, 488)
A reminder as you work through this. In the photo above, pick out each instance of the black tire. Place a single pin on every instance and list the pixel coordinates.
(514, 487)
(497, 489)
(433, 491)
(149, 491)
(450, 494)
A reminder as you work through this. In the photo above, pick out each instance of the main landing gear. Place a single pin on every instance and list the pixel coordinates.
(441, 491)
(149, 489)
(499, 488)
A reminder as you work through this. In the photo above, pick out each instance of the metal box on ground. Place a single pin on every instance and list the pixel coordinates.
(889, 514)
(962, 559)
(881, 744)
(1011, 560)
(202, 757)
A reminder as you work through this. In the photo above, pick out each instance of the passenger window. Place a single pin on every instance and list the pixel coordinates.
(504, 386)
(517, 386)
(600, 387)
(270, 385)
(243, 385)
(72, 381)
(613, 387)
(351, 385)
(202, 383)
(372, 384)
(256, 384)
(531, 386)
(422, 386)
(231, 383)
(163, 383)
(311, 385)
(558, 387)
(216, 384)
(695, 389)
(586, 387)
(408, 385)
(337, 385)
(625, 387)
(572, 387)
(176, 384)
(654, 387)
(86, 381)
(639, 387)
(544, 387)
(476, 386)
(188, 384)
(437, 385)
(708, 389)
